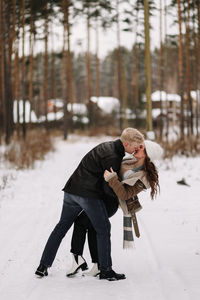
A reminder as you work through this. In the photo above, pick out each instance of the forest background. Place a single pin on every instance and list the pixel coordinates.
(39, 66)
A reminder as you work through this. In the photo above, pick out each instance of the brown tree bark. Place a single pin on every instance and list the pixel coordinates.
(31, 60)
(122, 100)
(198, 69)
(165, 83)
(181, 90)
(195, 64)
(16, 83)
(88, 66)
(135, 78)
(15, 77)
(23, 70)
(7, 24)
(188, 71)
(53, 76)
(45, 82)
(69, 63)
(64, 72)
(161, 73)
(149, 125)
(97, 61)
(2, 79)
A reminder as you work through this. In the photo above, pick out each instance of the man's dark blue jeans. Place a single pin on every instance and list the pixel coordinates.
(96, 211)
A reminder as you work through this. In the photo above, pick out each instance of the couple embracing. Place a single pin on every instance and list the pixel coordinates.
(102, 180)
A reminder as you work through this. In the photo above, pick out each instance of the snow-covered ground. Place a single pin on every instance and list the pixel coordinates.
(164, 265)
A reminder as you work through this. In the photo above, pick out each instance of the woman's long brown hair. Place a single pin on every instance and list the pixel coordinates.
(152, 176)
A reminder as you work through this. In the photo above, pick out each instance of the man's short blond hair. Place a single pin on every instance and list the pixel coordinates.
(132, 136)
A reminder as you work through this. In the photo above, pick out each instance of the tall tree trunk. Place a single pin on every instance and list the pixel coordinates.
(13, 40)
(195, 62)
(97, 70)
(69, 64)
(64, 72)
(124, 96)
(198, 71)
(149, 126)
(38, 105)
(180, 63)
(166, 73)
(45, 82)
(97, 60)
(7, 72)
(161, 73)
(119, 70)
(15, 75)
(16, 82)
(31, 61)
(188, 71)
(53, 75)
(11, 44)
(2, 79)
(135, 78)
(88, 62)
(23, 71)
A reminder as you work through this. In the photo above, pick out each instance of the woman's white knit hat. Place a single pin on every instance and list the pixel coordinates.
(154, 150)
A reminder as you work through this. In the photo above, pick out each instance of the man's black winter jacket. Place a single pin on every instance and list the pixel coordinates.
(87, 180)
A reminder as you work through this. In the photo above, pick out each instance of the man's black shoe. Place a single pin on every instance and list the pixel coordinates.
(41, 271)
(111, 275)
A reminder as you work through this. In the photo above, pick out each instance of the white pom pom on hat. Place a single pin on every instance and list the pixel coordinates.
(154, 150)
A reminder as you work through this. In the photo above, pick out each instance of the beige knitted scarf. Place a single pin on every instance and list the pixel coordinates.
(130, 175)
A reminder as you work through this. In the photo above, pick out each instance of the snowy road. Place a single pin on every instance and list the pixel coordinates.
(165, 264)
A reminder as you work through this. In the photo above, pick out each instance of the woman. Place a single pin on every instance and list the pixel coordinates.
(137, 173)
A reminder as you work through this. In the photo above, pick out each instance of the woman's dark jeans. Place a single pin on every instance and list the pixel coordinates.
(83, 226)
(97, 213)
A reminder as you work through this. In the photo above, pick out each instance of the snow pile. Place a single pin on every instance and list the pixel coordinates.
(157, 96)
(107, 104)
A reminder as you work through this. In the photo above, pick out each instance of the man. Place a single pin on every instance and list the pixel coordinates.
(85, 190)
